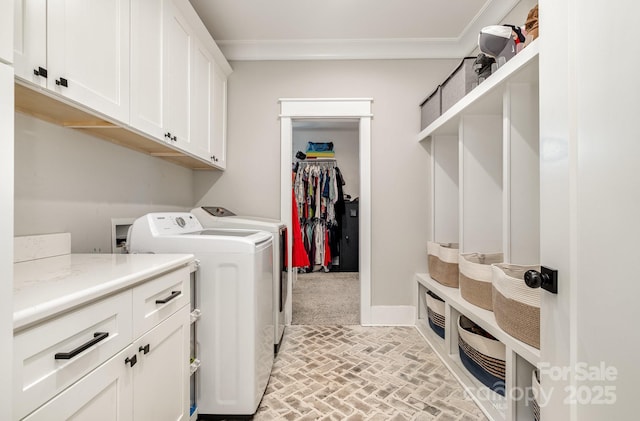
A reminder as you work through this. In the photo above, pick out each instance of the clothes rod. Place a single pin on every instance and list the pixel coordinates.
(310, 161)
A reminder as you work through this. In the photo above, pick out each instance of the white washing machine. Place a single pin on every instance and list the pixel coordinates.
(235, 289)
(219, 217)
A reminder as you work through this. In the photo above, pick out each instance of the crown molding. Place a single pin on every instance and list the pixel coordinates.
(370, 49)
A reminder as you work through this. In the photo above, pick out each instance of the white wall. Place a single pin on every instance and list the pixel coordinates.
(400, 165)
(346, 146)
(68, 181)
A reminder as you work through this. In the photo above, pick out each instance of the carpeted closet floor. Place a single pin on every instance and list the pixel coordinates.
(331, 298)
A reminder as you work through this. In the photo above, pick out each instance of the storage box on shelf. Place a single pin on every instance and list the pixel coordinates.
(482, 354)
(475, 277)
(435, 313)
(516, 306)
(488, 96)
(459, 83)
(443, 262)
(431, 108)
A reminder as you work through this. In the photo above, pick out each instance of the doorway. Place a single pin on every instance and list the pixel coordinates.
(301, 112)
(326, 165)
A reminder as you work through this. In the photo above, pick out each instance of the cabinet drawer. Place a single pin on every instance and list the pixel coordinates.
(88, 336)
(158, 299)
(104, 394)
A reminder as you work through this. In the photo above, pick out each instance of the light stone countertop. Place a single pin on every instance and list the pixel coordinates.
(46, 287)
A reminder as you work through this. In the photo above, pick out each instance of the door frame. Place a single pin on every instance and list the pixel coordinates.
(330, 108)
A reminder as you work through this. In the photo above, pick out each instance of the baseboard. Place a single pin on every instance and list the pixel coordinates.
(392, 316)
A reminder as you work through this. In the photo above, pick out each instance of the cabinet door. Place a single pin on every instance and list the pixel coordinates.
(147, 44)
(103, 395)
(219, 116)
(6, 31)
(6, 227)
(30, 40)
(201, 102)
(161, 376)
(176, 77)
(88, 51)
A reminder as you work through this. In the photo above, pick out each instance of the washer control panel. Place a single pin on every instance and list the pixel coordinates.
(174, 223)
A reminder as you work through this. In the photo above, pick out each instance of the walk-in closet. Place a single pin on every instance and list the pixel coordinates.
(325, 181)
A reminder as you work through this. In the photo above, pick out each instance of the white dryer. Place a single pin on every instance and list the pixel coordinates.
(219, 217)
(235, 289)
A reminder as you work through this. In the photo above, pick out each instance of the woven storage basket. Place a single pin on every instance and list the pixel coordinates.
(516, 306)
(443, 263)
(482, 355)
(475, 278)
(435, 312)
(535, 389)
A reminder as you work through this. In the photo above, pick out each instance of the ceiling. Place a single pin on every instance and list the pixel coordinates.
(348, 29)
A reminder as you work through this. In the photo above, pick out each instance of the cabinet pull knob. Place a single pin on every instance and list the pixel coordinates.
(40, 71)
(144, 349)
(546, 279)
(97, 337)
(174, 138)
(168, 134)
(131, 360)
(62, 82)
(174, 294)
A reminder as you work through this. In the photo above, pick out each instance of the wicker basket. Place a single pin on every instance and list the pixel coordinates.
(435, 313)
(482, 355)
(516, 306)
(535, 388)
(443, 263)
(475, 278)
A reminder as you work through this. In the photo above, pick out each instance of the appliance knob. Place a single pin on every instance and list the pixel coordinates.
(180, 221)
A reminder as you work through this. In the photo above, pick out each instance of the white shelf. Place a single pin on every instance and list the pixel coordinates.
(484, 318)
(492, 405)
(486, 98)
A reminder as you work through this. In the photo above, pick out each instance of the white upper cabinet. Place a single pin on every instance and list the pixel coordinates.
(30, 40)
(148, 18)
(148, 70)
(177, 52)
(178, 90)
(219, 115)
(77, 49)
(208, 107)
(202, 65)
(88, 53)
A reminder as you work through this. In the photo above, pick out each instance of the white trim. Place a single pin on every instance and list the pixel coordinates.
(392, 316)
(375, 49)
(298, 108)
(344, 49)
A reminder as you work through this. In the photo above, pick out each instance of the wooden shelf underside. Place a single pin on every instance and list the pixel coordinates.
(36, 103)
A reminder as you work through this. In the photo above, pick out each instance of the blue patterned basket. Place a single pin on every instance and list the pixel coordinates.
(482, 355)
(435, 313)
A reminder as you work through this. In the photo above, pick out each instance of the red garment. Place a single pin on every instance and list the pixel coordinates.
(327, 249)
(299, 256)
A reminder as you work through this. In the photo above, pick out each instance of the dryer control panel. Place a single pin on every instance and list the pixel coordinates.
(173, 223)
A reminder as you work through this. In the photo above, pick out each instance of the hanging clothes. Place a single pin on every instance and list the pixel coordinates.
(317, 188)
(299, 257)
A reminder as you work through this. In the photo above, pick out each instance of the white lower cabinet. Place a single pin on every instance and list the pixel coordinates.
(161, 375)
(151, 388)
(105, 394)
(123, 357)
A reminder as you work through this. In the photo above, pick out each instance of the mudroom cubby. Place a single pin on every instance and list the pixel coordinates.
(484, 195)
